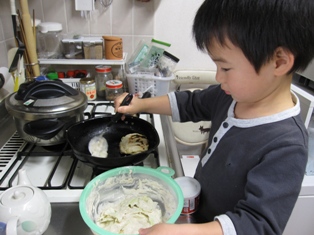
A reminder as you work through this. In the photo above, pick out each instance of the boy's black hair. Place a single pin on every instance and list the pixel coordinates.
(258, 27)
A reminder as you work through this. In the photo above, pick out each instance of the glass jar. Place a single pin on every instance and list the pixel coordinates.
(103, 74)
(114, 88)
(88, 87)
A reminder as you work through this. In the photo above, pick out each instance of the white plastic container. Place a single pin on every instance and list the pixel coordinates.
(157, 86)
(191, 189)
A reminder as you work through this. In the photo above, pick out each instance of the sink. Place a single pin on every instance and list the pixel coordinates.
(66, 219)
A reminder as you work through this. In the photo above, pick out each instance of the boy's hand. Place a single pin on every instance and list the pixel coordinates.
(133, 108)
(159, 229)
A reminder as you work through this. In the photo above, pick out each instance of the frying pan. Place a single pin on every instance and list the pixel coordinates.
(79, 135)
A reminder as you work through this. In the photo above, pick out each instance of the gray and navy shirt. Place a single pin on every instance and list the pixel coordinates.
(252, 171)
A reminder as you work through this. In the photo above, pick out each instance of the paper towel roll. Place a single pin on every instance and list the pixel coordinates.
(8, 87)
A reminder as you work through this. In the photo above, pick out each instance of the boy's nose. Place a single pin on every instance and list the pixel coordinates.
(219, 77)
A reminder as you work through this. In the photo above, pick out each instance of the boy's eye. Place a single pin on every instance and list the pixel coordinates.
(225, 69)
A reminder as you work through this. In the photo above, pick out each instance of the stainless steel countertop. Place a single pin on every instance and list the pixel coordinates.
(66, 219)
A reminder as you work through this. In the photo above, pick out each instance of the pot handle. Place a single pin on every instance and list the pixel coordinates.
(44, 128)
(166, 170)
(11, 228)
(44, 90)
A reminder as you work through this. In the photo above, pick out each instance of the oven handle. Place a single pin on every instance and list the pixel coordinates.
(44, 128)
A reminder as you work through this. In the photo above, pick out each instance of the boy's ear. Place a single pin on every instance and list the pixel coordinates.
(283, 61)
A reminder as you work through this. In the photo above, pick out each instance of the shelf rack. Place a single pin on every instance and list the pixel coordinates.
(82, 61)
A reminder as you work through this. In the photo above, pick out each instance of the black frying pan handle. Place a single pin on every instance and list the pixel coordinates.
(126, 101)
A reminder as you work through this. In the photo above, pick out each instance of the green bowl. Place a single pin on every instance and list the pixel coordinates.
(96, 193)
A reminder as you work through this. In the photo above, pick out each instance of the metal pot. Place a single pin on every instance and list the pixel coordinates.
(43, 110)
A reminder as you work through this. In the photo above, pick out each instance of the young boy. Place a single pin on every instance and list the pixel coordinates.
(252, 170)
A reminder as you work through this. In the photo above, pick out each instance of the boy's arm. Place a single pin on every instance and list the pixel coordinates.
(157, 105)
(210, 228)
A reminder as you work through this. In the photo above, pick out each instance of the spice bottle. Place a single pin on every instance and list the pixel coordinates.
(88, 87)
(114, 88)
(103, 74)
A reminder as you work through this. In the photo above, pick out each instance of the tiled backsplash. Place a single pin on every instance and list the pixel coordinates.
(129, 19)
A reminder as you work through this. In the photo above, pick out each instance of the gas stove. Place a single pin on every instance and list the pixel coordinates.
(55, 169)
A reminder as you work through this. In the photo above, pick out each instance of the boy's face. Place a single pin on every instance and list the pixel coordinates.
(238, 77)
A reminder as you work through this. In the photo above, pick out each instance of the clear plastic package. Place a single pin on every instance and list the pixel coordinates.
(137, 56)
(156, 50)
(167, 64)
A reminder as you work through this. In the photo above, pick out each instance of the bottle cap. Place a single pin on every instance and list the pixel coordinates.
(46, 27)
(114, 84)
(103, 69)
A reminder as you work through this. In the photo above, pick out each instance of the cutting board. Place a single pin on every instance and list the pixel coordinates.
(8, 87)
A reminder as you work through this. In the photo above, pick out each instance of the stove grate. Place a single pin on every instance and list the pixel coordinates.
(8, 154)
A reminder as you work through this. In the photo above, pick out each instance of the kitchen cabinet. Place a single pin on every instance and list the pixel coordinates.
(301, 220)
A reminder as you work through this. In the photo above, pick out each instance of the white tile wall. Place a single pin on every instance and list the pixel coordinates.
(166, 20)
(130, 19)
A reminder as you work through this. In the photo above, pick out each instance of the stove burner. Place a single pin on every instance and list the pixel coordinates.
(55, 167)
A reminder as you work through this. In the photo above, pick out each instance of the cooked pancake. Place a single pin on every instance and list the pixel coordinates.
(133, 143)
(98, 147)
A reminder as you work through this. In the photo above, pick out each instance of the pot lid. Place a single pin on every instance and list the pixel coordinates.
(45, 97)
(16, 196)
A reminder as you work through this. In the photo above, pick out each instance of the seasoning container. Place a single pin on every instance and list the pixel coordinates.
(103, 74)
(72, 48)
(93, 48)
(114, 88)
(88, 87)
(113, 48)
